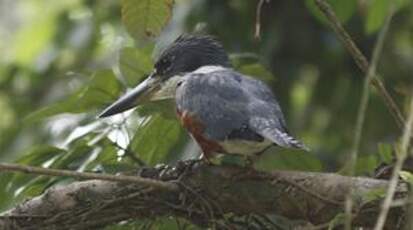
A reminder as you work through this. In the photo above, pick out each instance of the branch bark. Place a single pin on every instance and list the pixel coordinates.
(215, 196)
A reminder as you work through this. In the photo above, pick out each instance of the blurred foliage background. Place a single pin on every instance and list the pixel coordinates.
(63, 61)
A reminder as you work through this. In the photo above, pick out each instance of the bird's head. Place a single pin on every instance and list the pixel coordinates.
(186, 54)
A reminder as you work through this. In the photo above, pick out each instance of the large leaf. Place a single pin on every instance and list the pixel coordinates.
(134, 64)
(156, 139)
(378, 11)
(376, 15)
(37, 156)
(101, 90)
(166, 108)
(78, 154)
(145, 18)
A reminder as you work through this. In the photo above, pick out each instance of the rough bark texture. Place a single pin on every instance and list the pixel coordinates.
(217, 196)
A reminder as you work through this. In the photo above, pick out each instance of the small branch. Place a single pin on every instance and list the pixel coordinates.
(258, 19)
(7, 167)
(397, 168)
(360, 60)
(363, 108)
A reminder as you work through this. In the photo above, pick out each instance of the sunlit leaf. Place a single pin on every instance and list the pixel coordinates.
(107, 160)
(145, 18)
(79, 152)
(35, 187)
(407, 176)
(37, 156)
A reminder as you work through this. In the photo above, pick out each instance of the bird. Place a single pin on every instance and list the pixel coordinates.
(224, 111)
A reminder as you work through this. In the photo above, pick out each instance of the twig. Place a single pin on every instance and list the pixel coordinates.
(360, 60)
(362, 112)
(257, 34)
(397, 168)
(87, 175)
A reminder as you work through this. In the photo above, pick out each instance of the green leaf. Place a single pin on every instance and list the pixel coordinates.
(107, 159)
(376, 15)
(145, 18)
(102, 89)
(156, 138)
(257, 71)
(374, 194)
(166, 108)
(378, 11)
(407, 176)
(35, 187)
(338, 220)
(134, 64)
(78, 154)
(344, 9)
(366, 164)
(286, 159)
(37, 156)
(386, 153)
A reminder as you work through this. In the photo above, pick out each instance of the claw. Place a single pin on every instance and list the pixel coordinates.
(205, 159)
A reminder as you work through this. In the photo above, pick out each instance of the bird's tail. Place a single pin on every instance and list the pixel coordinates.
(286, 140)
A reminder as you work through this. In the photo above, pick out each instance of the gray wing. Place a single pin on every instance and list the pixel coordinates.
(271, 127)
(228, 103)
(267, 118)
(217, 100)
(262, 92)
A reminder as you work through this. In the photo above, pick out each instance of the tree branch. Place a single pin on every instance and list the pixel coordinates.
(85, 175)
(217, 196)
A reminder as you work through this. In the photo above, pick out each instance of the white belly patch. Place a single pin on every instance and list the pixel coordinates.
(243, 147)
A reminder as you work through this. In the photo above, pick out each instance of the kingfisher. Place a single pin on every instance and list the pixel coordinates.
(224, 111)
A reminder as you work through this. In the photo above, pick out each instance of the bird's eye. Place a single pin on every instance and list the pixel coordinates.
(164, 65)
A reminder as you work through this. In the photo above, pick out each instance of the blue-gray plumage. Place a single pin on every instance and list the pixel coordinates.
(225, 111)
(238, 112)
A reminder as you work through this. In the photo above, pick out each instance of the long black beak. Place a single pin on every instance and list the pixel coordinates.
(132, 98)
